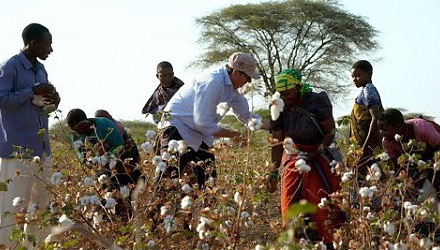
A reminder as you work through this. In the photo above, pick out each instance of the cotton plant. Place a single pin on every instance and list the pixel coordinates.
(150, 135)
(203, 227)
(147, 147)
(276, 106)
(374, 173)
(288, 146)
(169, 224)
(302, 166)
(56, 178)
(187, 203)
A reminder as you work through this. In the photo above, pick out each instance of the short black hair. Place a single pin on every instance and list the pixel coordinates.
(33, 31)
(164, 65)
(363, 65)
(102, 113)
(391, 117)
(75, 116)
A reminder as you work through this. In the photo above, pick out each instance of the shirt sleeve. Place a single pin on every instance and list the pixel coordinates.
(427, 133)
(324, 111)
(371, 95)
(240, 107)
(8, 95)
(205, 104)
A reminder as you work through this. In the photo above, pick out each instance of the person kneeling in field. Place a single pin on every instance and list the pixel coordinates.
(396, 133)
(104, 136)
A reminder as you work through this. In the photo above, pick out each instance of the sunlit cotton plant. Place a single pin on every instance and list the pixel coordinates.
(276, 106)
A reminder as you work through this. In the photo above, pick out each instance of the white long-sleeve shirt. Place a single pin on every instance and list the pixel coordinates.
(194, 107)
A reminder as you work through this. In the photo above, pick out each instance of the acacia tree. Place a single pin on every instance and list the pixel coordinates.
(316, 37)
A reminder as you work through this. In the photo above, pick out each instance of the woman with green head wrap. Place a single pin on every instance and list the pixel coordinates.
(307, 120)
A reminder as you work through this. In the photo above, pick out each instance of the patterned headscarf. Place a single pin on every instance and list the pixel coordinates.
(289, 79)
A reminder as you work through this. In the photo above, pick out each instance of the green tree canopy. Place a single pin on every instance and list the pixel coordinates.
(317, 37)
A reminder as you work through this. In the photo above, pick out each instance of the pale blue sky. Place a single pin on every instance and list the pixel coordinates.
(106, 52)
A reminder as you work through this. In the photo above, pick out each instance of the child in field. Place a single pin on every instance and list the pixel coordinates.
(366, 109)
(168, 86)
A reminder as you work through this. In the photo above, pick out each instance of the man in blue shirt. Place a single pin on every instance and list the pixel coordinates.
(26, 98)
(193, 110)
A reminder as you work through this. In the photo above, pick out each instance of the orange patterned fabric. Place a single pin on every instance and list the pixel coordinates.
(318, 183)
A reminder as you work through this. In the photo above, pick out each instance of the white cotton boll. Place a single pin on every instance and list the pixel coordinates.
(88, 181)
(222, 108)
(84, 201)
(248, 223)
(95, 200)
(113, 163)
(245, 215)
(164, 210)
(110, 203)
(274, 112)
(125, 191)
(389, 228)
(397, 137)
(364, 192)
(435, 248)
(103, 159)
(97, 218)
(374, 173)
(169, 224)
(425, 243)
(384, 156)
(17, 201)
(103, 179)
(52, 208)
(320, 245)
(303, 168)
(370, 215)
(182, 148)
(211, 181)
(166, 156)
(36, 159)
(186, 203)
(65, 221)
(161, 167)
(150, 135)
(421, 162)
(205, 246)
(259, 247)
(323, 204)
(347, 176)
(95, 160)
(255, 123)
(332, 145)
(172, 147)
(56, 178)
(237, 198)
(77, 144)
(147, 147)
(277, 106)
(151, 243)
(186, 188)
(156, 159)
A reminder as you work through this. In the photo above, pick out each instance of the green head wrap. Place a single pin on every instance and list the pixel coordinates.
(289, 79)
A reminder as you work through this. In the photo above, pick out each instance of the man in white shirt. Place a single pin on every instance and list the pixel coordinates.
(194, 116)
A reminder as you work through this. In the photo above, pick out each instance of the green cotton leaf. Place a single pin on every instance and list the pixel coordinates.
(303, 207)
(3, 187)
